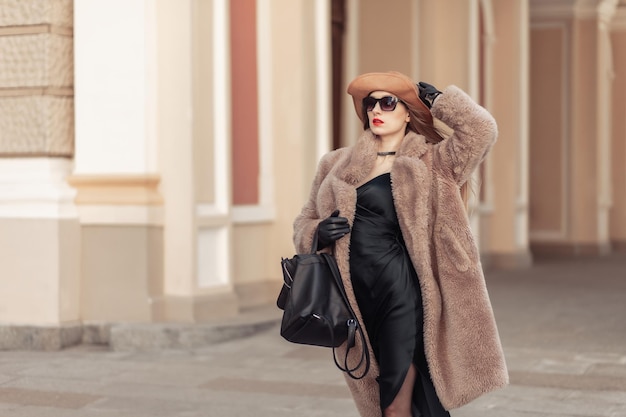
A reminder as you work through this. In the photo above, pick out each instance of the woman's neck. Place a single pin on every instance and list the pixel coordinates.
(389, 143)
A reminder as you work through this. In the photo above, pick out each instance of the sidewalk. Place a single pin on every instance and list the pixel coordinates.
(563, 326)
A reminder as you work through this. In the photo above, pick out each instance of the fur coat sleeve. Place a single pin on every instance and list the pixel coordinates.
(306, 223)
(461, 341)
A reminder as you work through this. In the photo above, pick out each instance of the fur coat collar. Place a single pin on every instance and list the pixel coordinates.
(461, 341)
(361, 161)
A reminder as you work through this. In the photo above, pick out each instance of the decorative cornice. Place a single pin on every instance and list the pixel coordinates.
(618, 23)
(573, 9)
(116, 189)
(37, 91)
(607, 9)
(553, 9)
(36, 30)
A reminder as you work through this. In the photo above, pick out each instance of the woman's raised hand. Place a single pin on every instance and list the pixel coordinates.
(428, 93)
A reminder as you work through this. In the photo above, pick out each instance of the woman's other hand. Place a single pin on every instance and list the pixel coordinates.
(331, 229)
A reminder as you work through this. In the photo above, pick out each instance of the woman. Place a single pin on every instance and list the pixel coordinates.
(391, 209)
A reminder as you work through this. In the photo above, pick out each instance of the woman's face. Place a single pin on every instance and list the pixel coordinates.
(389, 122)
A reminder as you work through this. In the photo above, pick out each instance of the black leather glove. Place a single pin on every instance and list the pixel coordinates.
(331, 229)
(428, 93)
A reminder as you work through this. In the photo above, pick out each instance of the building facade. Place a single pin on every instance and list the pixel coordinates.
(154, 153)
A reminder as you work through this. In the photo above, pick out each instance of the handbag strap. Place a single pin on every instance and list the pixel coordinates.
(353, 326)
(314, 243)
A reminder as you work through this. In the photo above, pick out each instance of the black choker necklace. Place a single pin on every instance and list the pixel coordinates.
(385, 153)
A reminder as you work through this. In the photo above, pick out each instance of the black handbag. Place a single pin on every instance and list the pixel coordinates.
(316, 310)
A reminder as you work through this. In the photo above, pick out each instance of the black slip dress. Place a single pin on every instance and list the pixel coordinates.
(387, 292)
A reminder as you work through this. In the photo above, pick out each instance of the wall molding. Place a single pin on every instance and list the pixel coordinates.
(35, 187)
(36, 29)
(253, 214)
(37, 91)
(572, 9)
(116, 189)
(569, 249)
(127, 215)
(618, 23)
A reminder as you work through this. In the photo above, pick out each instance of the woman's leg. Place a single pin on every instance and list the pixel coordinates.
(401, 405)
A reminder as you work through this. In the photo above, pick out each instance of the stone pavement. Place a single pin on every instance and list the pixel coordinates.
(563, 326)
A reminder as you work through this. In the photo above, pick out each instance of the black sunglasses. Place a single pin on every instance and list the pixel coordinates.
(387, 103)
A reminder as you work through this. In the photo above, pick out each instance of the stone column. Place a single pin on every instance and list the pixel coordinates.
(194, 138)
(618, 150)
(505, 239)
(39, 231)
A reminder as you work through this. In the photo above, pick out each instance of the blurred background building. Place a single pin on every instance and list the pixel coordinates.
(154, 153)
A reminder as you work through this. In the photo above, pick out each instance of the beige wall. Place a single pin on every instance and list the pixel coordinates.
(121, 272)
(385, 36)
(257, 263)
(40, 271)
(444, 42)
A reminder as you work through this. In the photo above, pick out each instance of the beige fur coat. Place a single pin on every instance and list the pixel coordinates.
(461, 340)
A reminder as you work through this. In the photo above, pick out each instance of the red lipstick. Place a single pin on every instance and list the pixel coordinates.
(377, 122)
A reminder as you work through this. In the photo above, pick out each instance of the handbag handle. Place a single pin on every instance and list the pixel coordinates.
(353, 324)
(353, 327)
